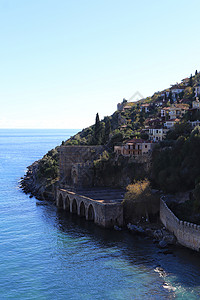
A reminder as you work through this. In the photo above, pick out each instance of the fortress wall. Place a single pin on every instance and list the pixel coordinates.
(187, 234)
(72, 157)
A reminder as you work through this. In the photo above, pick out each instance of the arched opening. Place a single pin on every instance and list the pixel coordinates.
(91, 213)
(74, 177)
(74, 207)
(60, 201)
(67, 204)
(82, 209)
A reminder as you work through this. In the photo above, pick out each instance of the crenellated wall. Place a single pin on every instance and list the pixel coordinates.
(187, 234)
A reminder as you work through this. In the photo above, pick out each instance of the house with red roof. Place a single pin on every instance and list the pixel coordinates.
(134, 147)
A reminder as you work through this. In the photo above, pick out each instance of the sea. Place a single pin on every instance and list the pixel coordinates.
(46, 253)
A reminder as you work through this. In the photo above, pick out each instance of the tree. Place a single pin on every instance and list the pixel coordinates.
(170, 97)
(188, 93)
(107, 130)
(97, 131)
(139, 201)
(191, 81)
(196, 73)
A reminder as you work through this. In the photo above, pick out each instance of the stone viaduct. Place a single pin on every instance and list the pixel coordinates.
(102, 212)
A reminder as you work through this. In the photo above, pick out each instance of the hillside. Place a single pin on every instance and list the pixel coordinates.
(168, 118)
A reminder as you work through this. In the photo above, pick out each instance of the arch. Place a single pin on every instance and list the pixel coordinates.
(74, 207)
(74, 177)
(60, 201)
(91, 213)
(82, 209)
(67, 204)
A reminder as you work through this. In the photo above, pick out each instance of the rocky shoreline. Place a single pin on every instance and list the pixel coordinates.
(41, 189)
(156, 231)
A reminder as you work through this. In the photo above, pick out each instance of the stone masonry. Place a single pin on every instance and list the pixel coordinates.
(101, 212)
(76, 164)
(187, 234)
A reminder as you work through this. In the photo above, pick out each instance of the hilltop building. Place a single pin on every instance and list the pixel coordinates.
(174, 111)
(134, 147)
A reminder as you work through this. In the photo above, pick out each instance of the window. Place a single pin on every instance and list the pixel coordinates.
(145, 146)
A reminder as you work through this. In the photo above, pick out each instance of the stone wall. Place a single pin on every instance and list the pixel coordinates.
(102, 213)
(75, 164)
(187, 234)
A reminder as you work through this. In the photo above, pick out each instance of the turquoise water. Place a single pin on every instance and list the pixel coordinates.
(48, 254)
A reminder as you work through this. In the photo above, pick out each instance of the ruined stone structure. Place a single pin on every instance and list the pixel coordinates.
(102, 212)
(187, 234)
(76, 164)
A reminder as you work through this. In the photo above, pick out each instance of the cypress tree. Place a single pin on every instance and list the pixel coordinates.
(191, 81)
(97, 131)
(170, 98)
(107, 130)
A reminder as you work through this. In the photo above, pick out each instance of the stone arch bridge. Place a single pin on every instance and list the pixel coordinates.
(101, 212)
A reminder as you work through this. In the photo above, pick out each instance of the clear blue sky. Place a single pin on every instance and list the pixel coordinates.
(62, 61)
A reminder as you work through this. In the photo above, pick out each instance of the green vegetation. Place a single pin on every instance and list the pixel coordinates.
(48, 166)
(139, 201)
(177, 167)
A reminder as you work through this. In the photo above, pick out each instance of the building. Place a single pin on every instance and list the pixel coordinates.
(176, 89)
(145, 107)
(170, 123)
(175, 111)
(157, 134)
(194, 123)
(196, 104)
(134, 147)
(197, 90)
(164, 112)
(153, 122)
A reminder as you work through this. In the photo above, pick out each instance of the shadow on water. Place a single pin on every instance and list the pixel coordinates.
(183, 264)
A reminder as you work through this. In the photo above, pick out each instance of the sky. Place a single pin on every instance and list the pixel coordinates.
(62, 61)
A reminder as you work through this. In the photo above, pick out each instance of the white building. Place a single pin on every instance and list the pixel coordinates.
(170, 123)
(157, 134)
(197, 90)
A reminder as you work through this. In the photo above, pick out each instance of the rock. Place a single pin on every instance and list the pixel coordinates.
(117, 228)
(135, 229)
(162, 244)
(169, 239)
(158, 234)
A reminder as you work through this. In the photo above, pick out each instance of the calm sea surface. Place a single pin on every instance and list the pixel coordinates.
(48, 254)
